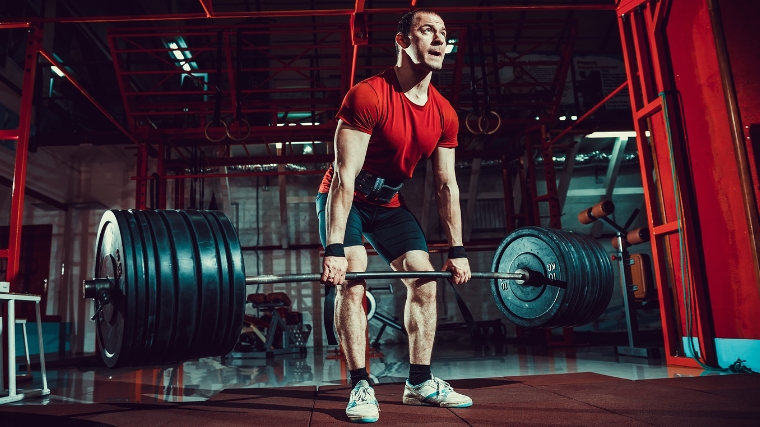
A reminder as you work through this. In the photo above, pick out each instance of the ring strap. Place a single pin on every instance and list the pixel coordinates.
(468, 319)
(328, 315)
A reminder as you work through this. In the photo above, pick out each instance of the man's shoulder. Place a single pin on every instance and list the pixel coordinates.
(440, 99)
(381, 81)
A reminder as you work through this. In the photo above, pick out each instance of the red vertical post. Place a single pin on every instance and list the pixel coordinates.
(33, 45)
(142, 177)
(160, 180)
(669, 188)
(179, 194)
(34, 42)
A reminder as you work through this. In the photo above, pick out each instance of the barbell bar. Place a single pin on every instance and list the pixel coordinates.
(170, 285)
(522, 276)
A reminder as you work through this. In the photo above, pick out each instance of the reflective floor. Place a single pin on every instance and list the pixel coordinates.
(86, 380)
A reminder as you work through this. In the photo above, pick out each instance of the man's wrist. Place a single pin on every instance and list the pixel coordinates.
(457, 252)
(335, 249)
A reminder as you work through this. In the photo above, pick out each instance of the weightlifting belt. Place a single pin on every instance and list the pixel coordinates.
(375, 188)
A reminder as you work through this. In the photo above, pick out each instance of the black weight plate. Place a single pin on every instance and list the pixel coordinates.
(144, 309)
(607, 278)
(164, 296)
(588, 293)
(114, 331)
(223, 322)
(574, 280)
(236, 280)
(146, 296)
(603, 278)
(208, 284)
(133, 261)
(184, 272)
(577, 283)
(534, 249)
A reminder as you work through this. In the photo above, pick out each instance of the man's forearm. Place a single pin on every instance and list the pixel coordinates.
(450, 213)
(338, 207)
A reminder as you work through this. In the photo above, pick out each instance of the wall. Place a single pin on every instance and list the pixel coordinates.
(89, 179)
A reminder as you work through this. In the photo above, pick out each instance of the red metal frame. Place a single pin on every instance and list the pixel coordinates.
(21, 135)
(147, 106)
(210, 13)
(33, 46)
(641, 32)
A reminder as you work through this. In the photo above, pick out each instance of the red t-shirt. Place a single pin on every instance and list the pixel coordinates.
(402, 132)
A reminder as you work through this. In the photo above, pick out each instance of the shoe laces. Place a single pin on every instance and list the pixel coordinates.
(362, 394)
(442, 387)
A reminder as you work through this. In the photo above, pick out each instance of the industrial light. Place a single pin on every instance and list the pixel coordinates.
(184, 58)
(621, 134)
(573, 117)
(279, 144)
(56, 70)
(537, 118)
(624, 134)
(177, 54)
(563, 117)
(451, 46)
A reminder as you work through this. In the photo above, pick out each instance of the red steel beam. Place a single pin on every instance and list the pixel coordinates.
(12, 25)
(359, 6)
(22, 151)
(589, 112)
(8, 134)
(208, 8)
(231, 175)
(87, 95)
(305, 12)
(175, 164)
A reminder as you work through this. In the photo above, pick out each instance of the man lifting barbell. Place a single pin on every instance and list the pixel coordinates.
(169, 285)
(387, 124)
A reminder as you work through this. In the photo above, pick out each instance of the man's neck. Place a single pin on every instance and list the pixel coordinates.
(414, 82)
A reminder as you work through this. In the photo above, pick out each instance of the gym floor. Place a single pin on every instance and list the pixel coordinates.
(85, 380)
(510, 385)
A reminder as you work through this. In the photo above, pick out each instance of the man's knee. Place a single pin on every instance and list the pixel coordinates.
(422, 290)
(413, 261)
(352, 291)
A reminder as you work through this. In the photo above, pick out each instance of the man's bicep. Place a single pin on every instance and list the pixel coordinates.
(350, 148)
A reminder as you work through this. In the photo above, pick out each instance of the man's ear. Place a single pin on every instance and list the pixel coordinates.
(402, 40)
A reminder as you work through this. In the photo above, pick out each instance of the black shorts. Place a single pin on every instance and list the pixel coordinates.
(391, 231)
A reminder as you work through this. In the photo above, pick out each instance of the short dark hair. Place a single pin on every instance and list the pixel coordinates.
(405, 24)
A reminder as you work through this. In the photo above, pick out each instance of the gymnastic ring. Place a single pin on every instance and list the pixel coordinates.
(488, 123)
(208, 125)
(467, 124)
(247, 133)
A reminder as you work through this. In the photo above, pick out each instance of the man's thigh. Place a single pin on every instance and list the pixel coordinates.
(353, 236)
(395, 232)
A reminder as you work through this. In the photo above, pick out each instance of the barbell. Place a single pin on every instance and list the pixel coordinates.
(170, 285)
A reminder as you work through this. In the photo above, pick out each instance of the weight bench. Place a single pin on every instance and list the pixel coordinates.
(285, 331)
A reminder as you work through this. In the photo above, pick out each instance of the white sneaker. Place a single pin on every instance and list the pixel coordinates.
(362, 405)
(435, 392)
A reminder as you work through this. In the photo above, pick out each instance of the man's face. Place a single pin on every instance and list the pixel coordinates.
(427, 41)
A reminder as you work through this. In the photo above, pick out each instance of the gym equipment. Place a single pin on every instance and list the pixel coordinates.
(169, 284)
